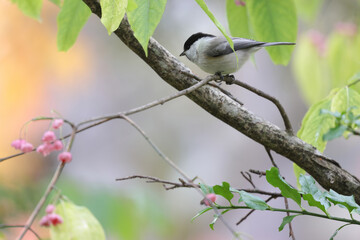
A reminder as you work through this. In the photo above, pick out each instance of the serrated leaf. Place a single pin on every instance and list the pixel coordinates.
(345, 201)
(112, 12)
(315, 125)
(71, 19)
(144, 19)
(78, 223)
(31, 8)
(205, 8)
(239, 24)
(273, 177)
(312, 194)
(334, 132)
(287, 220)
(252, 201)
(224, 191)
(201, 212)
(274, 21)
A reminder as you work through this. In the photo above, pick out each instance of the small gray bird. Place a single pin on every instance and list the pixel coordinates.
(214, 55)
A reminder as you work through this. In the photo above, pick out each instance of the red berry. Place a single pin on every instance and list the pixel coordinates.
(54, 219)
(45, 221)
(65, 157)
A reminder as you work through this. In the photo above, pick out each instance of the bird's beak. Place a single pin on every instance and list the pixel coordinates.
(182, 54)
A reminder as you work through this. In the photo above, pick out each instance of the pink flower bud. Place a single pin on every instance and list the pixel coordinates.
(26, 147)
(48, 137)
(45, 149)
(50, 208)
(65, 157)
(58, 145)
(17, 143)
(45, 221)
(211, 197)
(57, 123)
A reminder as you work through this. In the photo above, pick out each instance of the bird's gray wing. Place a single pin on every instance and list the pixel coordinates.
(220, 46)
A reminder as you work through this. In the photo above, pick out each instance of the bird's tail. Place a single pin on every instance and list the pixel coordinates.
(277, 43)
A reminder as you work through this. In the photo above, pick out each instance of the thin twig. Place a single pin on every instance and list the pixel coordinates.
(174, 166)
(247, 176)
(19, 226)
(287, 123)
(268, 151)
(48, 190)
(258, 172)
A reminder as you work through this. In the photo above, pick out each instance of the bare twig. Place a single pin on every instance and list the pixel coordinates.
(48, 190)
(268, 151)
(19, 226)
(287, 123)
(258, 172)
(247, 176)
(174, 166)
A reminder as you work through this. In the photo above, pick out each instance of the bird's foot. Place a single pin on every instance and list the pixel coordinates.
(229, 79)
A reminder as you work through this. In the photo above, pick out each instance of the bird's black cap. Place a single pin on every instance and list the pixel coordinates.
(193, 38)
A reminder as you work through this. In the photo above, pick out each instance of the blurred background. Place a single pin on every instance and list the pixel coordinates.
(99, 76)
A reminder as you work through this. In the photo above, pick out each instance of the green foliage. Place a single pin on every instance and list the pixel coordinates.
(31, 8)
(224, 191)
(297, 172)
(287, 220)
(273, 177)
(252, 201)
(238, 20)
(344, 201)
(323, 63)
(78, 223)
(144, 19)
(274, 21)
(56, 2)
(308, 9)
(112, 12)
(72, 17)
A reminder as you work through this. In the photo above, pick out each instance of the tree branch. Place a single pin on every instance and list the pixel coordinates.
(323, 169)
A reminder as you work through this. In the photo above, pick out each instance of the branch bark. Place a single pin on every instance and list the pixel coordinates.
(324, 170)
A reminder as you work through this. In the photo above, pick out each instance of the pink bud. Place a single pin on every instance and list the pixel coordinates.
(65, 157)
(58, 145)
(26, 147)
(55, 219)
(45, 221)
(57, 123)
(45, 149)
(240, 3)
(50, 208)
(17, 143)
(48, 137)
(211, 197)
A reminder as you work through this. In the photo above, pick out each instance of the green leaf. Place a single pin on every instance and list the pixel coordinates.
(224, 191)
(342, 200)
(78, 223)
(205, 188)
(216, 217)
(205, 8)
(334, 132)
(287, 220)
(337, 230)
(31, 8)
(308, 9)
(253, 202)
(201, 212)
(310, 70)
(71, 19)
(297, 172)
(315, 125)
(112, 12)
(345, 99)
(273, 177)
(237, 16)
(274, 21)
(354, 78)
(56, 2)
(144, 19)
(312, 194)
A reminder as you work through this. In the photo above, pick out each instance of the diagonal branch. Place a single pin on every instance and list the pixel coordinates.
(326, 173)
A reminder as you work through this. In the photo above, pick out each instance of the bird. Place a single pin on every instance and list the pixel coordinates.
(214, 55)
